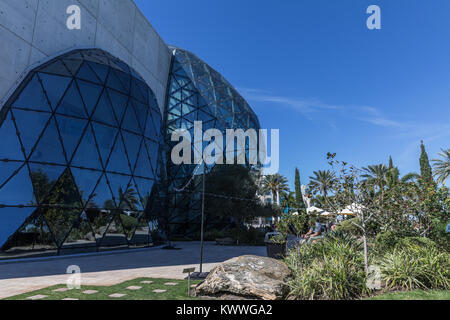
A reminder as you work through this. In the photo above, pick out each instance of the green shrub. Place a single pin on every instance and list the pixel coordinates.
(386, 241)
(331, 269)
(415, 264)
(348, 227)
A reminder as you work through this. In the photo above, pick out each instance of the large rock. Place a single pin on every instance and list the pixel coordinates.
(247, 276)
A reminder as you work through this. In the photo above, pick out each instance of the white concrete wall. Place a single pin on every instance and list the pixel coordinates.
(32, 31)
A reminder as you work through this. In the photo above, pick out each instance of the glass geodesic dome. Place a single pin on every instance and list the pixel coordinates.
(79, 150)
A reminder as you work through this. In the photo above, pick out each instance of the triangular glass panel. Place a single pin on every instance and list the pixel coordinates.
(100, 70)
(104, 112)
(119, 103)
(132, 144)
(60, 222)
(32, 97)
(64, 193)
(56, 67)
(131, 221)
(101, 197)
(30, 125)
(113, 82)
(114, 235)
(7, 169)
(143, 166)
(86, 73)
(71, 104)
(130, 122)
(119, 186)
(73, 65)
(90, 93)
(44, 178)
(152, 148)
(32, 236)
(125, 79)
(141, 114)
(12, 220)
(118, 161)
(54, 86)
(49, 147)
(106, 137)
(86, 181)
(18, 190)
(71, 130)
(86, 155)
(81, 236)
(10, 148)
(144, 188)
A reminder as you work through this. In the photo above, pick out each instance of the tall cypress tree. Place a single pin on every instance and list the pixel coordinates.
(298, 190)
(425, 168)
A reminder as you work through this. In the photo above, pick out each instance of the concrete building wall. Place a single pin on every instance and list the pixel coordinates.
(32, 31)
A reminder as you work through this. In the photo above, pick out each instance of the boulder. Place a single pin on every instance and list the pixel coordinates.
(249, 277)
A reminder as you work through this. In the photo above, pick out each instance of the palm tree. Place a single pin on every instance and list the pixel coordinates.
(288, 200)
(322, 182)
(377, 175)
(275, 184)
(442, 166)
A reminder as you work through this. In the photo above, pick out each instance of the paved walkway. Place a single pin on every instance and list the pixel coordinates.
(111, 269)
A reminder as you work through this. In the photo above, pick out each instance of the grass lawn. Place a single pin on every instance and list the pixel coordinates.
(173, 292)
(414, 295)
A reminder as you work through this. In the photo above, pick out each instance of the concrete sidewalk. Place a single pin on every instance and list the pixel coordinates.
(114, 268)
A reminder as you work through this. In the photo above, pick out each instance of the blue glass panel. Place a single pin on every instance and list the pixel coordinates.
(44, 178)
(104, 112)
(90, 94)
(114, 235)
(86, 181)
(81, 236)
(60, 222)
(119, 103)
(144, 188)
(114, 82)
(49, 147)
(86, 155)
(73, 65)
(130, 122)
(143, 166)
(106, 136)
(56, 67)
(100, 70)
(30, 125)
(102, 197)
(86, 73)
(71, 131)
(32, 97)
(12, 219)
(54, 86)
(7, 169)
(152, 148)
(119, 186)
(10, 147)
(18, 190)
(141, 114)
(71, 104)
(132, 144)
(118, 161)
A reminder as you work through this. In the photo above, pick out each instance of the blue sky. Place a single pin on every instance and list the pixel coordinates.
(312, 69)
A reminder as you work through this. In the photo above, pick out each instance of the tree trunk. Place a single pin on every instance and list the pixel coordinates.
(366, 251)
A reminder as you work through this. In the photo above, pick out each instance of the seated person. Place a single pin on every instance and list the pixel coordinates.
(315, 231)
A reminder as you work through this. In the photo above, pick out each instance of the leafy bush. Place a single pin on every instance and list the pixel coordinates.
(348, 227)
(386, 241)
(329, 269)
(415, 264)
(298, 222)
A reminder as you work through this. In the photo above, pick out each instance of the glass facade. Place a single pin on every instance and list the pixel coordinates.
(197, 93)
(79, 158)
(85, 154)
